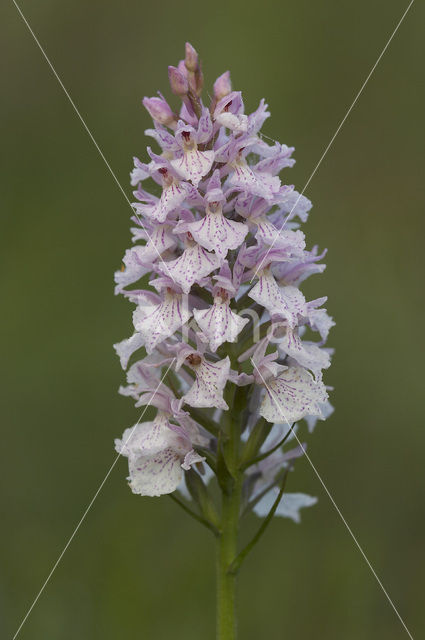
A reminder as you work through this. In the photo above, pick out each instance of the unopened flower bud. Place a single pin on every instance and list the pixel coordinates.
(159, 110)
(178, 82)
(191, 59)
(222, 86)
(182, 68)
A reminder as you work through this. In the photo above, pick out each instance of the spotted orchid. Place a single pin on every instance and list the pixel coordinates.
(223, 340)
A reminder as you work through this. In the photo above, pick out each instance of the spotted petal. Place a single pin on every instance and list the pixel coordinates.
(288, 301)
(158, 241)
(219, 323)
(306, 354)
(207, 390)
(295, 272)
(156, 322)
(194, 264)
(258, 184)
(172, 197)
(292, 395)
(276, 158)
(193, 164)
(134, 268)
(145, 385)
(295, 204)
(320, 321)
(155, 453)
(292, 242)
(217, 233)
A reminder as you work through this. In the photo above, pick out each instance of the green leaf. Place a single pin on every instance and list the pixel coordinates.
(201, 496)
(224, 477)
(256, 438)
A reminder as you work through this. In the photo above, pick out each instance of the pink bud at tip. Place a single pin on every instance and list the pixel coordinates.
(191, 59)
(178, 82)
(222, 86)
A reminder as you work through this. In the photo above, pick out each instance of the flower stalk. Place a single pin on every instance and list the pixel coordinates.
(227, 546)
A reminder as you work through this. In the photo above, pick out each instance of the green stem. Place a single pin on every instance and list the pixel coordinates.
(226, 553)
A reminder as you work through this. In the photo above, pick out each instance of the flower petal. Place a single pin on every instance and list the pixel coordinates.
(194, 164)
(326, 409)
(238, 123)
(306, 354)
(288, 302)
(292, 395)
(217, 233)
(207, 390)
(258, 184)
(158, 241)
(146, 438)
(295, 204)
(191, 458)
(156, 322)
(139, 173)
(172, 197)
(289, 506)
(320, 321)
(257, 119)
(134, 268)
(205, 127)
(155, 475)
(126, 348)
(219, 324)
(292, 242)
(154, 451)
(297, 271)
(276, 158)
(194, 264)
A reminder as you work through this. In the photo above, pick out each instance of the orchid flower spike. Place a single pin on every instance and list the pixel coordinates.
(224, 344)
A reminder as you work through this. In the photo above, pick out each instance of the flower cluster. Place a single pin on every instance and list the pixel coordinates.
(221, 343)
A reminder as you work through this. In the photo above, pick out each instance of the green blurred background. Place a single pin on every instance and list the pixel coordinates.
(139, 568)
